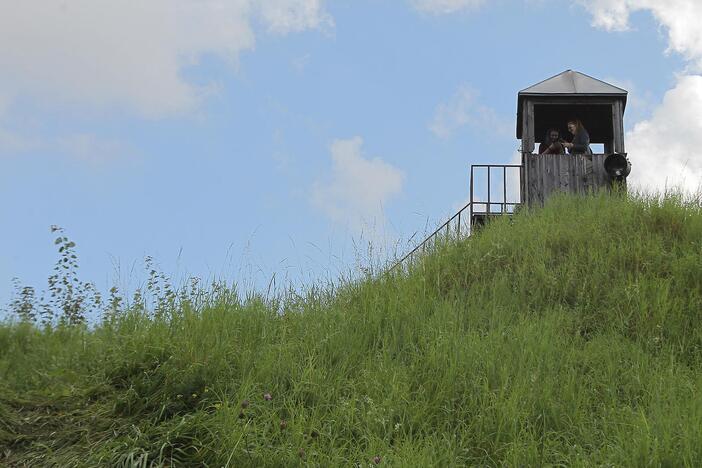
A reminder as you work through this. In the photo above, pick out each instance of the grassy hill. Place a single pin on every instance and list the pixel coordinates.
(570, 336)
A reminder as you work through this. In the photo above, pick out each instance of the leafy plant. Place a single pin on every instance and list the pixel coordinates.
(67, 299)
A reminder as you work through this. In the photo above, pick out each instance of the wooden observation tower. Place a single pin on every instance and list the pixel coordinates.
(497, 189)
(550, 104)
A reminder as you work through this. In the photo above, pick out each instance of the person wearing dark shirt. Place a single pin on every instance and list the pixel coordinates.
(581, 139)
(552, 144)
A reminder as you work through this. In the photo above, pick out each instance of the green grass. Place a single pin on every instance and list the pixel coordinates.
(569, 337)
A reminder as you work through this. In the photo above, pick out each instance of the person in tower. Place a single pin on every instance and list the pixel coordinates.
(581, 139)
(552, 144)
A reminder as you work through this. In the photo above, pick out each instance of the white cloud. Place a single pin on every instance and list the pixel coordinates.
(131, 54)
(299, 64)
(12, 143)
(358, 188)
(286, 16)
(95, 150)
(665, 149)
(639, 103)
(440, 7)
(91, 149)
(679, 17)
(464, 110)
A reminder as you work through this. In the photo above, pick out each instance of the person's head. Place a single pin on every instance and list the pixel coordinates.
(553, 135)
(574, 126)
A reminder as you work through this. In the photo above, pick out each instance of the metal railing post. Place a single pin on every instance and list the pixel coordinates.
(504, 189)
(504, 207)
(470, 214)
(488, 200)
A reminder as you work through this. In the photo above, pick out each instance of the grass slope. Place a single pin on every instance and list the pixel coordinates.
(571, 336)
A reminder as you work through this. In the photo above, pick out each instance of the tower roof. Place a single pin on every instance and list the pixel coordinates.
(573, 83)
(574, 88)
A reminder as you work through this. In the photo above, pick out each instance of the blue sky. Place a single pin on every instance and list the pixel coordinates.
(279, 139)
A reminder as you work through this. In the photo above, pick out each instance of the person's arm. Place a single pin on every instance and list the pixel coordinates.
(581, 142)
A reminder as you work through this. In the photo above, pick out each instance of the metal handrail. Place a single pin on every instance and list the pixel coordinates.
(471, 205)
(488, 203)
(434, 234)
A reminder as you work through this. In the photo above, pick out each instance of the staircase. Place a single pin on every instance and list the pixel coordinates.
(489, 197)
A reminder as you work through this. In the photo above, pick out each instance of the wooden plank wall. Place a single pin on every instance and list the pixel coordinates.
(545, 174)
